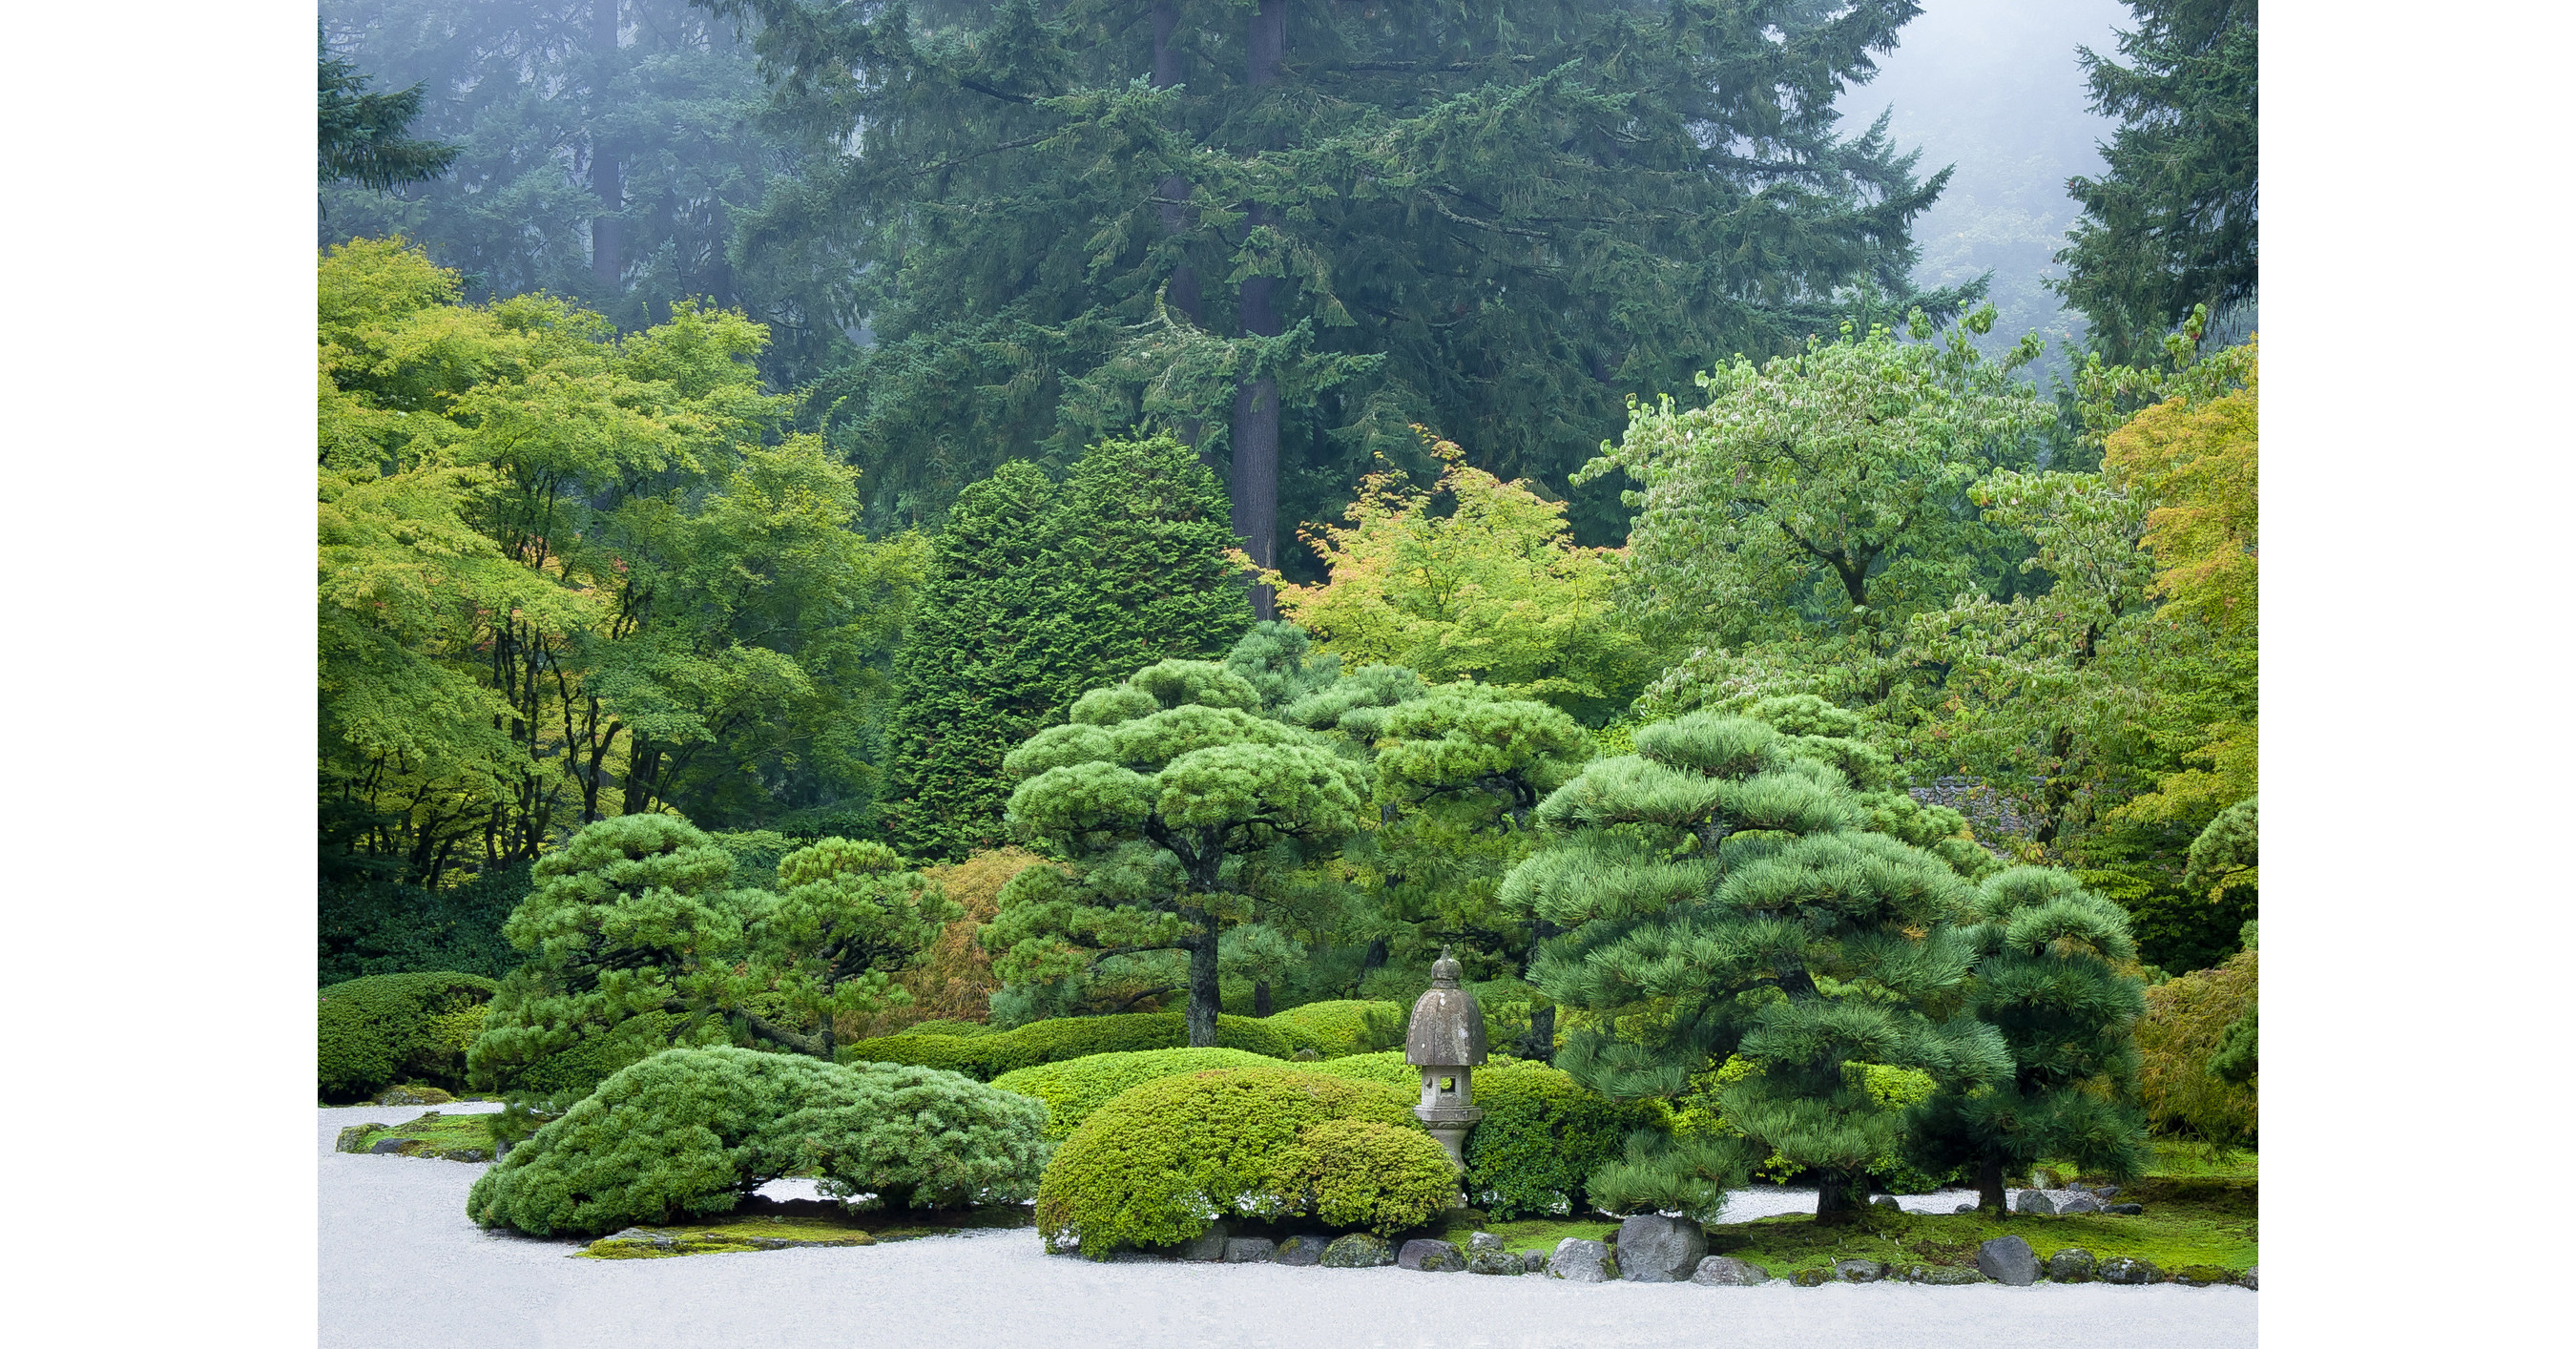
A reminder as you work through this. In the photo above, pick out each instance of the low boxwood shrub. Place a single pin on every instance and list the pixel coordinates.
(688, 1132)
(1344, 1026)
(1542, 1135)
(1159, 1162)
(987, 1057)
(382, 1029)
(1074, 1088)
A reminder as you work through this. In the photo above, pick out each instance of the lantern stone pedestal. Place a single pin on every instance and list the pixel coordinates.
(1446, 1040)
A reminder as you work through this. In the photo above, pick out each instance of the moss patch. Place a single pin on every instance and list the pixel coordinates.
(2188, 1222)
(456, 1138)
(802, 1223)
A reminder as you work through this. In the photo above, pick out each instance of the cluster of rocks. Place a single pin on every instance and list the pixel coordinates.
(379, 1140)
(1651, 1248)
(642, 1241)
(2010, 1260)
(2060, 1202)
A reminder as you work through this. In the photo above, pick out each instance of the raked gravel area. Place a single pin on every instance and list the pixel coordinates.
(401, 1266)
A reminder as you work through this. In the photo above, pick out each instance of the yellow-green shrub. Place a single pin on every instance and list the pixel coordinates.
(1365, 1174)
(1163, 1159)
(1345, 1026)
(1543, 1133)
(1074, 1088)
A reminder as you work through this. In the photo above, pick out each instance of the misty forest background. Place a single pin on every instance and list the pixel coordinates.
(772, 411)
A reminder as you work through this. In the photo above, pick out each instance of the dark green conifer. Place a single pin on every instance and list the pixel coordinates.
(2047, 983)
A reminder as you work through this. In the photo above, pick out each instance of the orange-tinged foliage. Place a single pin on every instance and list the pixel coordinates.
(2185, 1019)
(957, 981)
(2198, 463)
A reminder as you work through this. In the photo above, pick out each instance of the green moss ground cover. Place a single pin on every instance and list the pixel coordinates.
(777, 1232)
(2188, 1221)
(457, 1138)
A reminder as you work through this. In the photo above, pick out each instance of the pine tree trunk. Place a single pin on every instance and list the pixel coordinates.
(1835, 1199)
(1990, 1184)
(1261, 997)
(1254, 485)
(1203, 986)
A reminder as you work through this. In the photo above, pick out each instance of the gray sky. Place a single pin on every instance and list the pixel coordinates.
(1992, 87)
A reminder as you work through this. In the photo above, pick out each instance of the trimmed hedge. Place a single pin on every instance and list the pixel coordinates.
(963, 1030)
(1543, 1133)
(1344, 1026)
(987, 1057)
(374, 1032)
(1162, 1160)
(688, 1132)
(389, 927)
(1076, 1087)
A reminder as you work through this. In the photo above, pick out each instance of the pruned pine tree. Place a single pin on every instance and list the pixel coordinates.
(1170, 794)
(2051, 983)
(1723, 893)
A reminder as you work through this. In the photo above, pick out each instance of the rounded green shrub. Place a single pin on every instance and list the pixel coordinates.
(688, 1132)
(1362, 1173)
(964, 1030)
(1074, 1088)
(1542, 1134)
(386, 1028)
(989, 1056)
(1344, 1026)
(1163, 1159)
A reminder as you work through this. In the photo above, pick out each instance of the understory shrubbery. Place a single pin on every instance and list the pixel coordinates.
(1698, 1112)
(2187, 1021)
(987, 1057)
(1542, 1136)
(1160, 1162)
(1074, 1088)
(1345, 1025)
(366, 927)
(688, 1132)
(388, 1028)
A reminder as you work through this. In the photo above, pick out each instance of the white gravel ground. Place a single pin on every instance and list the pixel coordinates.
(400, 1266)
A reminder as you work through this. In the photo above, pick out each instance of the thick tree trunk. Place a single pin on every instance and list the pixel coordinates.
(1990, 1184)
(1203, 986)
(1254, 488)
(607, 232)
(1837, 1197)
(1261, 997)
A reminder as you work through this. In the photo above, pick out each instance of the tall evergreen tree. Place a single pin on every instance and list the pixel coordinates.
(1286, 230)
(603, 150)
(360, 137)
(2068, 1017)
(2174, 222)
(1037, 593)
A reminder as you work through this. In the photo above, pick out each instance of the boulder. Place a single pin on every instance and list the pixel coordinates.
(2072, 1265)
(385, 1145)
(1580, 1261)
(413, 1094)
(1859, 1271)
(1249, 1250)
(1534, 1262)
(1657, 1249)
(1965, 1208)
(1813, 1278)
(2008, 1260)
(1301, 1250)
(2033, 1201)
(1484, 1241)
(2247, 1278)
(1431, 1257)
(1941, 1275)
(1207, 1245)
(2105, 1193)
(1484, 1260)
(2075, 1201)
(1888, 1201)
(2202, 1276)
(1357, 1250)
(1725, 1271)
(2125, 1269)
(2131, 1210)
(348, 1140)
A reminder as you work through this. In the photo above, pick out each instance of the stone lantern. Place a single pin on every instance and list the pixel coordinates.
(1446, 1040)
